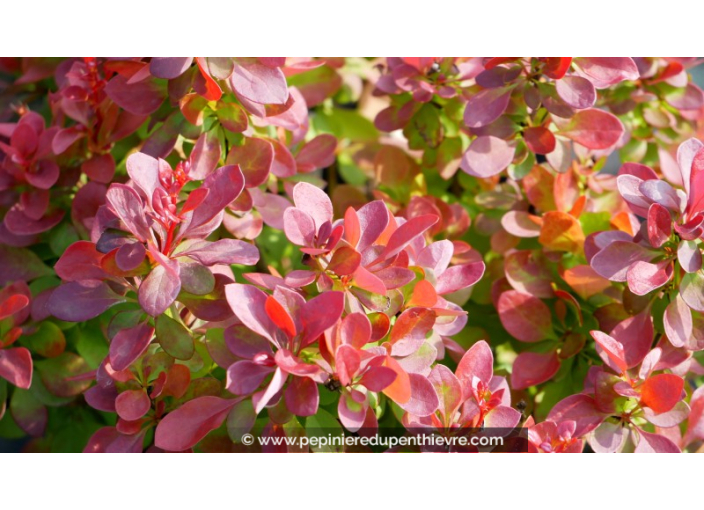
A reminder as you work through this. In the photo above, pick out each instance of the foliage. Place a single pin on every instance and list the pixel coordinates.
(195, 248)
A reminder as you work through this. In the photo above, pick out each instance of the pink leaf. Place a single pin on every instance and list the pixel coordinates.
(594, 129)
(576, 91)
(16, 366)
(131, 405)
(248, 303)
(606, 71)
(318, 153)
(655, 443)
(424, 401)
(611, 351)
(313, 201)
(580, 409)
(644, 277)
(477, 362)
(614, 261)
(459, 277)
(448, 389)
(678, 322)
(406, 233)
(260, 84)
(169, 67)
(689, 256)
(302, 396)
(525, 317)
(487, 156)
(659, 225)
(532, 368)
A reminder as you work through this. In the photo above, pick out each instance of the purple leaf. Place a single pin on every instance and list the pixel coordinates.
(321, 313)
(486, 106)
(223, 251)
(160, 288)
(169, 67)
(125, 202)
(299, 227)
(260, 84)
(144, 172)
(487, 156)
(141, 98)
(80, 261)
(129, 344)
(459, 277)
(318, 153)
(579, 408)
(576, 91)
(81, 301)
(614, 261)
(245, 377)
(224, 185)
(655, 443)
(130, 256)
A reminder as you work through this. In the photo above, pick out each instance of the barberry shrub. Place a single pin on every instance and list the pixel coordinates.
(194, 249)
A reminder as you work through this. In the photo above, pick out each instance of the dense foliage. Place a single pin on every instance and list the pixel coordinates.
(196, 248)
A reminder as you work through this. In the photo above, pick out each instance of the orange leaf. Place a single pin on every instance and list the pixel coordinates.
(661, 392)
(561, 232)
(400, 390)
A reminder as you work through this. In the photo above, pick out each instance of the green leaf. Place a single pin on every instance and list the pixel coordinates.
(92, 346)
(322, 424)
(29, 413)
(174, 338)
(48, 340)
(55, 373)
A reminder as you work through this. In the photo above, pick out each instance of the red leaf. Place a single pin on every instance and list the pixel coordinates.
(532, 368)
(540, 140)
(345, 261)
(280, 316)
(186, 426)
